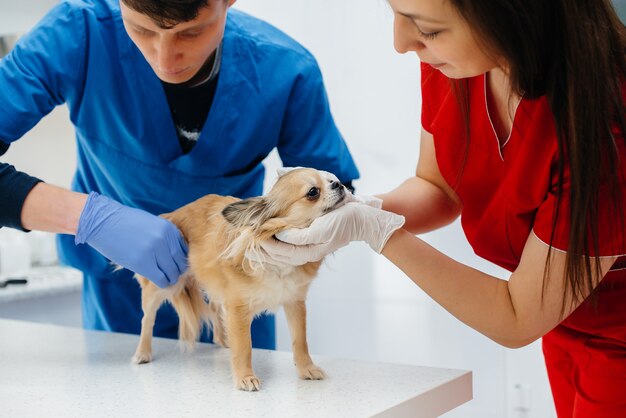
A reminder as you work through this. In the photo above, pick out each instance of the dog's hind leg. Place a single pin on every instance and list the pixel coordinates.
(151, 299)
(217, 324)
(296, 318)
(192, 311)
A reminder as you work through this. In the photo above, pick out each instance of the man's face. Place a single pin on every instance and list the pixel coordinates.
(176, 54)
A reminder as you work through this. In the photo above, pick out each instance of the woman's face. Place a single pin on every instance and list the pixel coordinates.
(176, 54)
(440, 36)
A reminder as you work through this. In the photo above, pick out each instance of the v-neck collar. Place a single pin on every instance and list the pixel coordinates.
(499, 146)
(149, 86)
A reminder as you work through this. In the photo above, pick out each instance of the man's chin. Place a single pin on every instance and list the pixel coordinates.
(175, 78)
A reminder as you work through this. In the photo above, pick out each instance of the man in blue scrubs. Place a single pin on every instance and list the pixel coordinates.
(171, 100)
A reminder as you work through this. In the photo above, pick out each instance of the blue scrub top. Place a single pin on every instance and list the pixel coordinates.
(270, 94)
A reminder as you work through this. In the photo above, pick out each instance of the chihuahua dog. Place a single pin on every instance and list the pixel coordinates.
(227, 264)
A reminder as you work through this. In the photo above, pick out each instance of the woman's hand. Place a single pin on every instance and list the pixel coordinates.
(135, 239)
(372, 201)
(354, 221)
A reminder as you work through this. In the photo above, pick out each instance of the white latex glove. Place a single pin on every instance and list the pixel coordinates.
(372, 201)
(354, 221)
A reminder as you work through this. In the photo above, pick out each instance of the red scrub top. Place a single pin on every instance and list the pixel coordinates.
(509, 191)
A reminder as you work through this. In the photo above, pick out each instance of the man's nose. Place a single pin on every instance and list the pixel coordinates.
(165, 50)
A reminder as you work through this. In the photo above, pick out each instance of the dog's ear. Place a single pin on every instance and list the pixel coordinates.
(252, 212)
(281, 171)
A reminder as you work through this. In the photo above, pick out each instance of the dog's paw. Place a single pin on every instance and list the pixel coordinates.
(311, 372)
(248, 383)
(142, 358)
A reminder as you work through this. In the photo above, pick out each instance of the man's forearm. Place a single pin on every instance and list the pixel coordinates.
(53, 209)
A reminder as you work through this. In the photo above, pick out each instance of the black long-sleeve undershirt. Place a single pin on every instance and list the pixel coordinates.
(14, 187)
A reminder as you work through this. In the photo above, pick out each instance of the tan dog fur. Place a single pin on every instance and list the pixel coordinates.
(220, 231)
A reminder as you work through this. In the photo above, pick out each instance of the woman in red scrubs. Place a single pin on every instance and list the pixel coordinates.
(523, 136)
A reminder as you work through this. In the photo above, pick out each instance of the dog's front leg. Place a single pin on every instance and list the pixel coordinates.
(296, 318)
(238, 320)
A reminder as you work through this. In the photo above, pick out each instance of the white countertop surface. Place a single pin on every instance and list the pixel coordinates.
(54, 371)
(42, 281)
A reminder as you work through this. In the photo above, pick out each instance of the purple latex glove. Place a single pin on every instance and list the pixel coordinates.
(135, 239)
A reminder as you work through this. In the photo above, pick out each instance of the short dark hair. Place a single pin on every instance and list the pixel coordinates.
(168, 13)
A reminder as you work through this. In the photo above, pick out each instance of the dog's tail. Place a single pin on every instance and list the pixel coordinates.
(193, 312)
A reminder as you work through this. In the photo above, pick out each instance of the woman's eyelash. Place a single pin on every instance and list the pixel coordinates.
(428, 36)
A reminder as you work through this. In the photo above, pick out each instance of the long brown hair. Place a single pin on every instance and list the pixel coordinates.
(574, 53)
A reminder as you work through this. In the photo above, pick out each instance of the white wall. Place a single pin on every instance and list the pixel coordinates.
(361, 306)
(48, 150)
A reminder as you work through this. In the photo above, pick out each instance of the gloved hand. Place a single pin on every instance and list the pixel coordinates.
(354, 221)
(143, 243)
(372, 201)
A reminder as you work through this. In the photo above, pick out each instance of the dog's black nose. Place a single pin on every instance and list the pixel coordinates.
(335, 185)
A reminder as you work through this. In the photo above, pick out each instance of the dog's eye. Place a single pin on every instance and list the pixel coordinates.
(313, 193)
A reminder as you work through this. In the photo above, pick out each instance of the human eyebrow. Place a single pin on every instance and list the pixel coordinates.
(196, 28)
(135, 26)
(421, 18)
